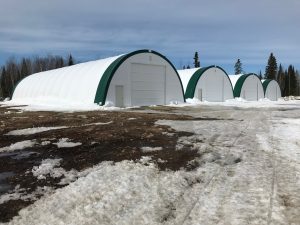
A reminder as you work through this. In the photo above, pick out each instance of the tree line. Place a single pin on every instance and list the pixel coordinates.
(14, 71)
(287, 78)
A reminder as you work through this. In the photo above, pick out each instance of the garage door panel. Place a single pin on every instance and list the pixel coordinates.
(147, 84)
(139, 94)
(147, 76)
(155, 86)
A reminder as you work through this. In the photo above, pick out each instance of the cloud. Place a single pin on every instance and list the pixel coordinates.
(221, 31)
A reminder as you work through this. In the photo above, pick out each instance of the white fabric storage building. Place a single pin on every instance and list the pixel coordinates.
(206, 84)
(247, 86)
(139, 78)
(271, 89)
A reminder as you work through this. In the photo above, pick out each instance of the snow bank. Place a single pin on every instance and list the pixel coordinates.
(121, 193)
(34, 130)
(56, 107)
(65, 143)
(18, 146)
(242, 103)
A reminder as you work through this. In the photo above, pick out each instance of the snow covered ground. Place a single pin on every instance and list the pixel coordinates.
(248, 173)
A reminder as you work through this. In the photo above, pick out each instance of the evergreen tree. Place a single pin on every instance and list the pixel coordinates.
(271, 68)
(292, 80)
(24, 69)
(281, 78)
(188, 67)
(238, 67)
(260, 75)
(183, 67)
(298, 83)
(5, 83)
(196, 60)
(70, 60)
(1, 89)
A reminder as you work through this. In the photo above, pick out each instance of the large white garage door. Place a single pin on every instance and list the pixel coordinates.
(148, 84)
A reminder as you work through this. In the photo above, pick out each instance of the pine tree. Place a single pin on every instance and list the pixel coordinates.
(196, 60)
(292, 80)
(24, 69)
(70, 61)
(298, 83)
(183, 67)
(238, 67)
(271, 68)
(5, 83)
(260, 75)
(188, 67)
(1, 88)
(281, 78)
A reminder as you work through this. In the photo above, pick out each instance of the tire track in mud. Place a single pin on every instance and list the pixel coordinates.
(219, 171)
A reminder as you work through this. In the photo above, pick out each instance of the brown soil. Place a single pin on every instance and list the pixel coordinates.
(119, 140)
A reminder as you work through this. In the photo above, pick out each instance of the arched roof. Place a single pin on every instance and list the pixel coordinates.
(190, 78)
(112, 68)
(238, 81)
(85, 82)
(266, 82)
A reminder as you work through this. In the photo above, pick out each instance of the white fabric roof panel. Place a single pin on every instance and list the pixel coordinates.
(77, 84)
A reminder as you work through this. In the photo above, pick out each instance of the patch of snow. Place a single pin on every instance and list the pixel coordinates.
(35, 130)
(120, 193)
(168, 134)
(45, 143)
(56, 107)
(20, 193)
(47, 167)
(65, 143)
(131, 119)
(18, 146)
(242, 103)
(150, 149)
(287, 134)
(99, 123)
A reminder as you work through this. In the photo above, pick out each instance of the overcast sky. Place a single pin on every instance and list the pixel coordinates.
(220, 30)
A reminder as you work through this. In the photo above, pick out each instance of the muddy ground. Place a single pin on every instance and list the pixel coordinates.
(245, 159)
(121, 139)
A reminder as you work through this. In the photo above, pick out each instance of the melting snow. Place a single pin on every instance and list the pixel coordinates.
(47, 167)
(65, 143)
(121, 193)
(34, 130)
(99, 123)
(151, 149)
(20, 193)
(18, 146)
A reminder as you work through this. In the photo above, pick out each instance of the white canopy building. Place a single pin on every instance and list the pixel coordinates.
(247, 86)
(139, 78)
(271, 89)
(206, 84)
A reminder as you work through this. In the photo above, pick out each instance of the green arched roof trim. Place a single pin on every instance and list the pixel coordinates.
(191, 87)
(265, 84)
(105, 80)
(239, 84)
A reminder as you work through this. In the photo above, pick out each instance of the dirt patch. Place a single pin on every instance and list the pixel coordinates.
(104, 136)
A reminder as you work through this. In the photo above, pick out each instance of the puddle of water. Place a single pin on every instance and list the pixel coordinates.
(23, 155)
(4, 187)
(17, 155)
